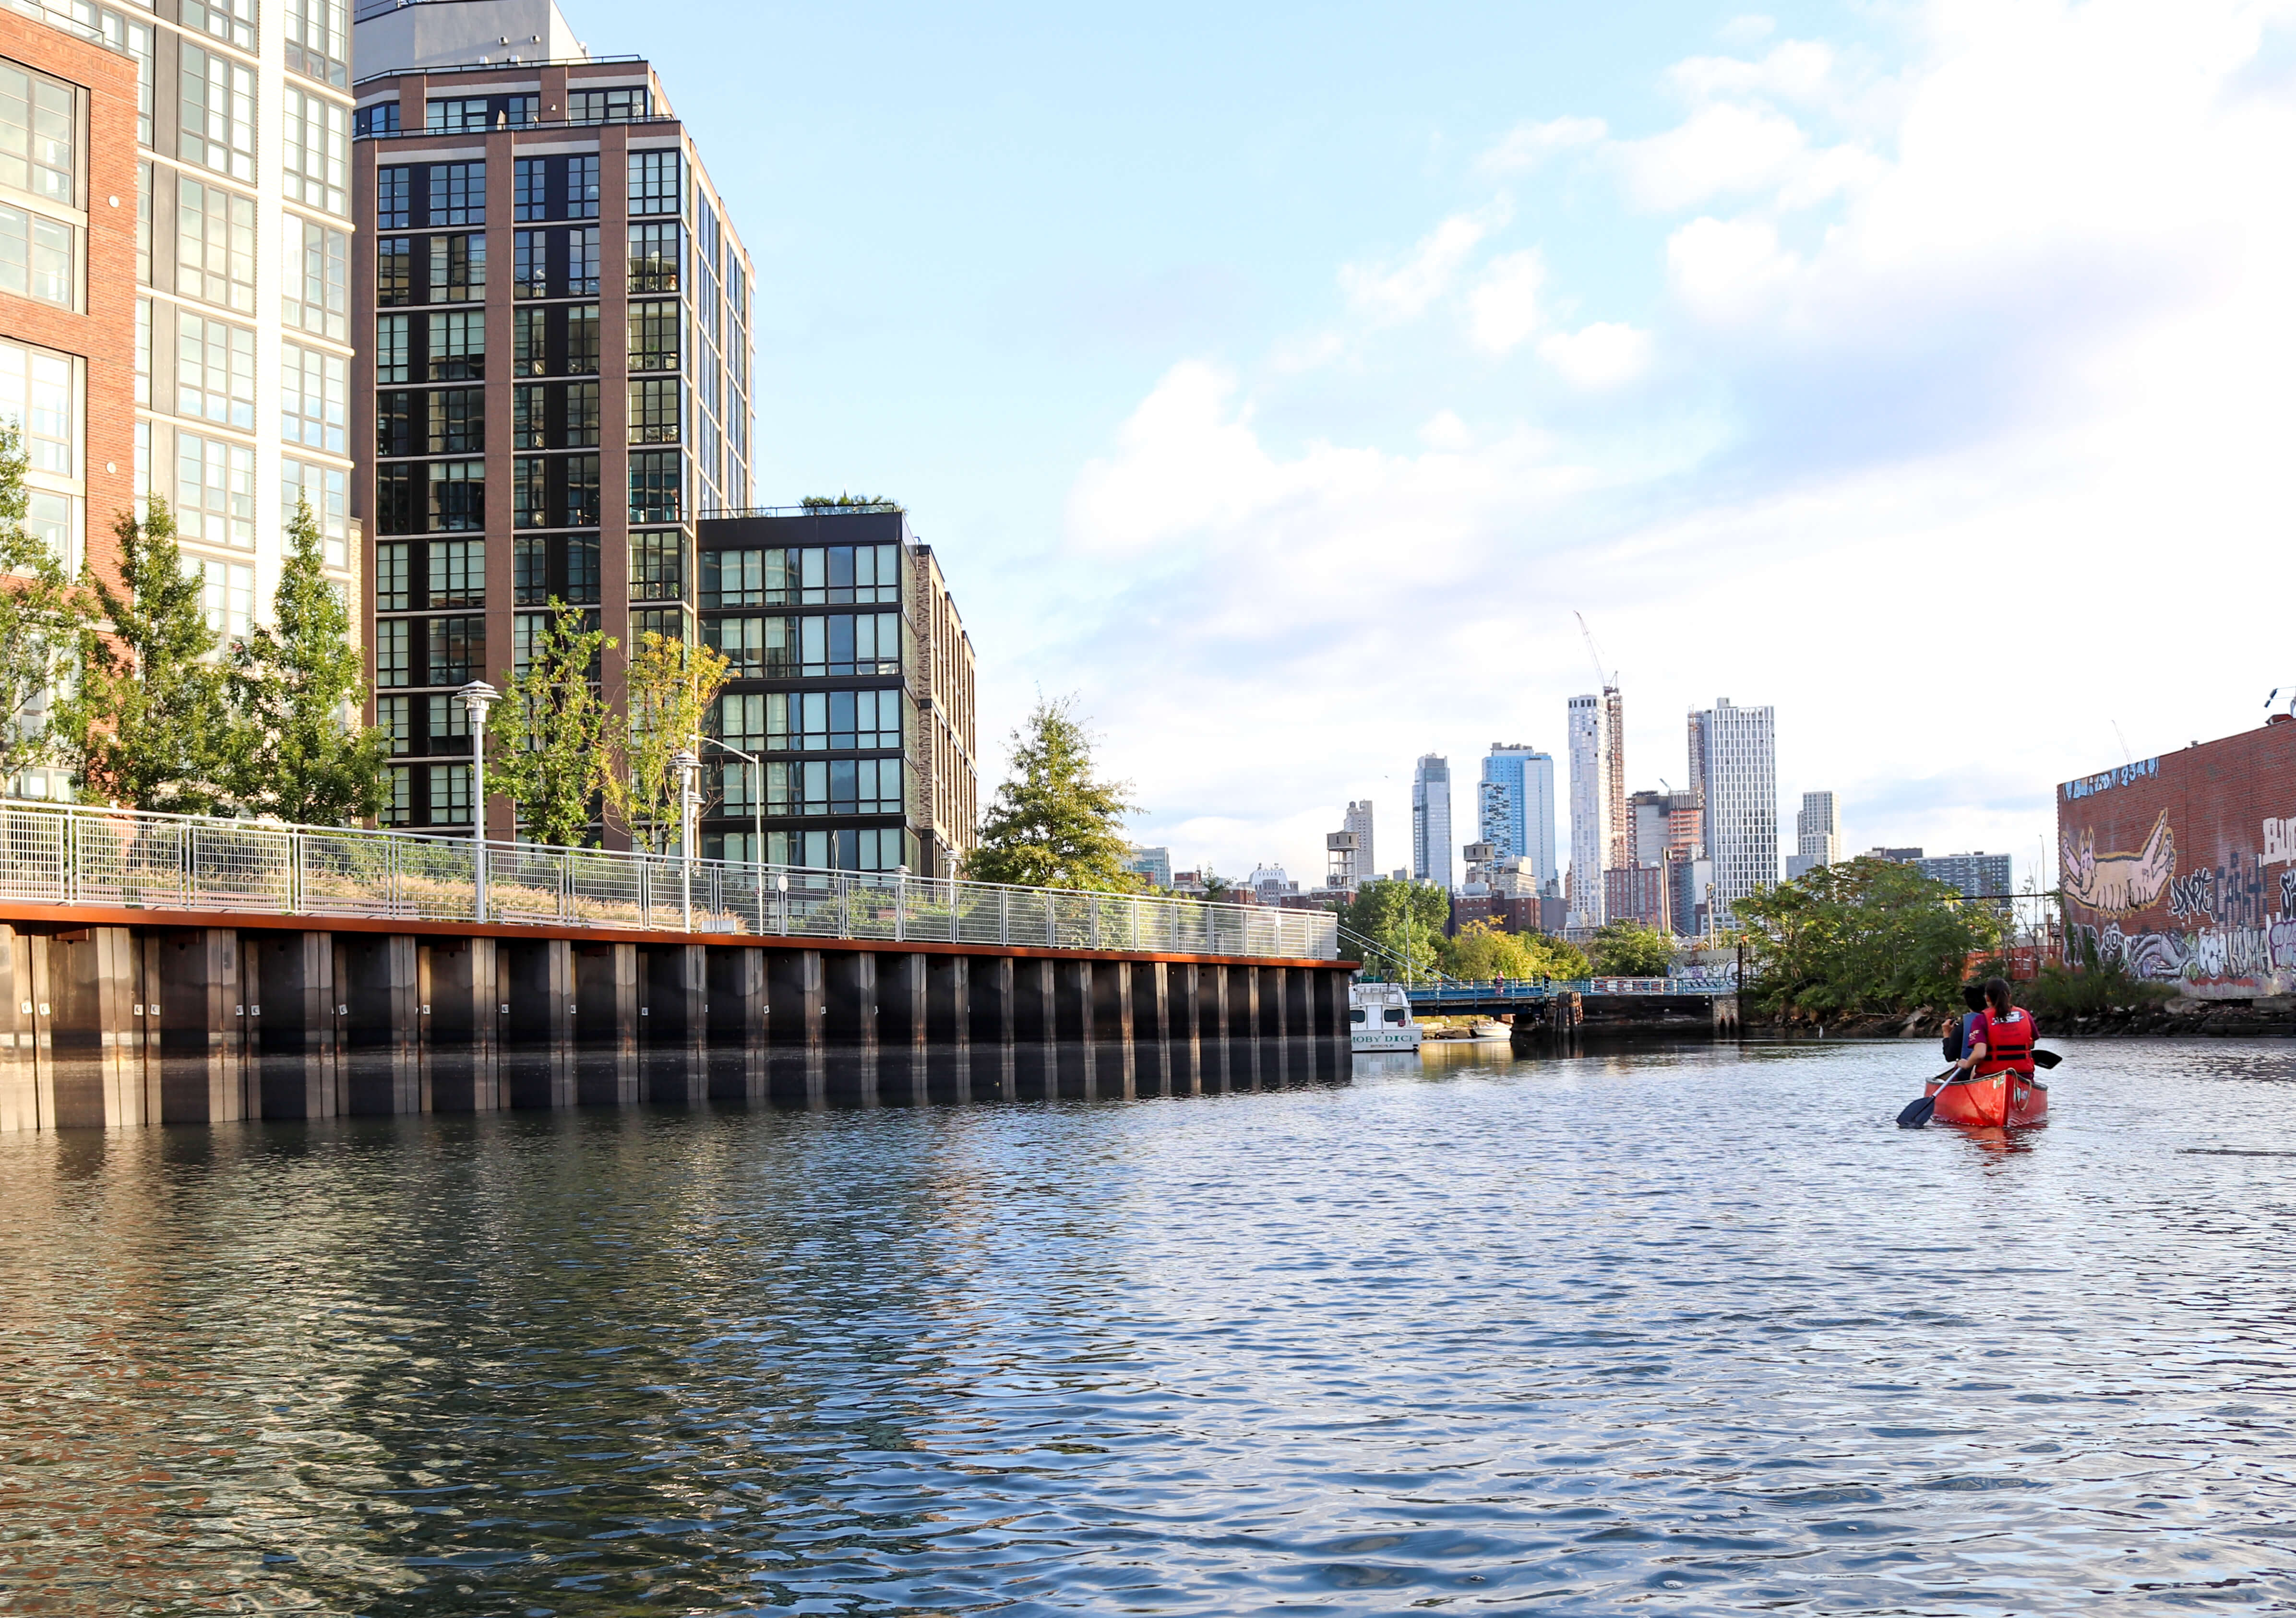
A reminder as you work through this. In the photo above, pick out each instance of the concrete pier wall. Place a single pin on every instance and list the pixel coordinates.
(112, 1026)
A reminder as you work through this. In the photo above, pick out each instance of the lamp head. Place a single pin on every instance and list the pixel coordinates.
(478, 697)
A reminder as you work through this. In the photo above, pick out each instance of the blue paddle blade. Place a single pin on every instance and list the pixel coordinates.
(1917, 1112)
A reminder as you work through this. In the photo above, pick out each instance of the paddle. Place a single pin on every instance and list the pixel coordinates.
(1917, 1112)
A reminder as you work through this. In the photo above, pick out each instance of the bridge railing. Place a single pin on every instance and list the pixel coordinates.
(128, 860)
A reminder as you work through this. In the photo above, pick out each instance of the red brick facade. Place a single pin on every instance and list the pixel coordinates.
(2183, 867)
(104, 335)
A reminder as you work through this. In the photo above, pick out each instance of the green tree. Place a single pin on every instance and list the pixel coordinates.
(849, 502)
(298, 684)
(1400, 925)
(1866, 936)
(1564, 958)
(1628, 949)
(552, 726)
(1054, 823)
(669, 690)
(42, 616)
(1479, 952)
(151, 725)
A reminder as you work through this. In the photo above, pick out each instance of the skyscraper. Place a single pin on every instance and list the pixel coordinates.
(175, 282)
(1734, 755)
(1357, 819)
(1621, 851)
(1817, 835)
(549, 428)
(1430, 821)
(1517, 806)
(1592, 836)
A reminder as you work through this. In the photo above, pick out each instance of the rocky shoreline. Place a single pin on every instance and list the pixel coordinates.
(2266, 1016)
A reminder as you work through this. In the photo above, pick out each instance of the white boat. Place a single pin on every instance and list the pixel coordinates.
(1379, 1018)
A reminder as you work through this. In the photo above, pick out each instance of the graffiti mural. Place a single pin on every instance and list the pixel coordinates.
(2182, 869)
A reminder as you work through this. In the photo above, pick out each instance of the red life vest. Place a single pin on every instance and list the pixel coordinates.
(2008, 1043)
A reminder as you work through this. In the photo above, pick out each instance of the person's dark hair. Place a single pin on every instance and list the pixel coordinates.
(1972, 995)
(1997, 989)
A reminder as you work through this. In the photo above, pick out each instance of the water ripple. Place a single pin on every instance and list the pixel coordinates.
(1692, 1329)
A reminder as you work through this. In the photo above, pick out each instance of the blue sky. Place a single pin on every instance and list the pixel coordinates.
(1281, 379)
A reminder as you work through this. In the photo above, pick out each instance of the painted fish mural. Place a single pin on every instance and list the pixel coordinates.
(2120, 884)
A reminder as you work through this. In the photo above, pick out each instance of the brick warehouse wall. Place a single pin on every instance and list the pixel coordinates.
(2183, 867)
(102, 336)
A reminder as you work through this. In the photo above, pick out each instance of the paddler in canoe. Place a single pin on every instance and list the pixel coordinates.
(1994, 1081)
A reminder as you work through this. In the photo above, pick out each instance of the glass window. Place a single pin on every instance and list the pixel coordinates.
(314, 398)
(582, 262)
(215, 371)
(393, 360)
(529, 264)
(39, 133)
(450, 795)
(215, 245)
(582, 187)
(741, 719)
(458, 346)
(654, 412)
(230, 20)
(457, 422)
(735, 578)
(228, 593)
(849, 643)
(530, 342)
(319, 41)
(655, 182)
(614, 106)
(143, 211)
(394, 271)
(757, 648)
(582, 339)
(654, 256)
(458, 650)
(653, 336)
(530, 492)
(579, 424)
(380, 118)
(215, 492)
(391, 577)
(394, 660)
(399, 810)
(455, 114)
(394, 198)
(529, 416)
(450, 721)
(458, 193)
(657, 564)
(36, 256)
(315, 292)
(326, 489)
(215, 109)
(458, 268)
(667, 622)
(531, 188)
(394, 716)
(318, 152)
(582, 568)
(457, 494)
(529, 571)
(655, 487)
(581, 475)
(458, 573)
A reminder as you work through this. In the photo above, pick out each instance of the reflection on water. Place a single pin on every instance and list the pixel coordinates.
(1688, 1327)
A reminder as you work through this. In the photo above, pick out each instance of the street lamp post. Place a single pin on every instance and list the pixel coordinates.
(477, 697)
(688, 765)
(757, 795)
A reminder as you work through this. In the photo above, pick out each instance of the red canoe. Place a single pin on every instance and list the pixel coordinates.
(1994, 1100)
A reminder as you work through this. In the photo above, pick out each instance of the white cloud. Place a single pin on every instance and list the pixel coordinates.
(1404, 291)
(1750, 30)
(2042, 337)
(1527, 145)
(1504, 308)
(1603, 355)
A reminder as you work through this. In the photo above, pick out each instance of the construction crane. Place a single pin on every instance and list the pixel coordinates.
(1608, 682)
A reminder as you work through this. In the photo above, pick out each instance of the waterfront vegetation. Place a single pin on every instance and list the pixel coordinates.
(1054, 823)
(1628, 949)
(1865, 936)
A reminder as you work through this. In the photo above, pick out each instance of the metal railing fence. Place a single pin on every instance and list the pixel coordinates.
(1538, 989)
(128, 860)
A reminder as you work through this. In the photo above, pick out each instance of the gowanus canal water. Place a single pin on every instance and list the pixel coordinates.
(1687, 1329)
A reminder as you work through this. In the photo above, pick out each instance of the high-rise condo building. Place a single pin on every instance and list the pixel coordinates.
(1620, 851)
(1153, 863)
(175, 282)
(1817, 835)
(1980, 876)
(1735, 757)
(1592, 836)
(1357, 819)
(553, 375)
(1430, 821)
(851, 683)
(1516, 808)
